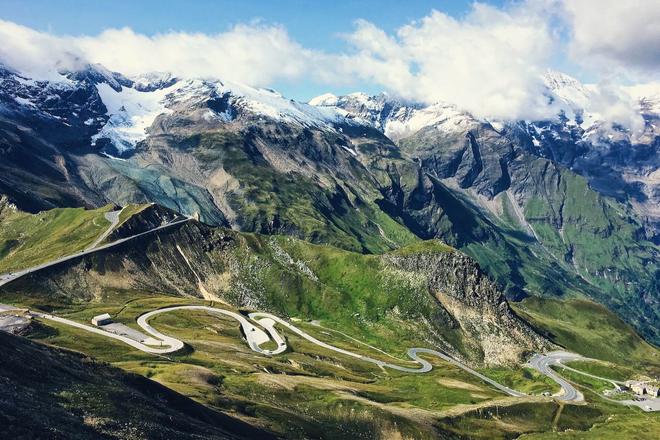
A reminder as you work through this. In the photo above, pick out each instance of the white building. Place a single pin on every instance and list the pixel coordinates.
(102, 319)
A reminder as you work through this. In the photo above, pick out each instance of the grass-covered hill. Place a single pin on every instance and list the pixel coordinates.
(423, 292)
(28, 240)
(590, 329)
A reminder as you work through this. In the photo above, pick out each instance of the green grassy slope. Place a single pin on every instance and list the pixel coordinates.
(589, 329)
(305, 392)
(599, 240)
(629, 426)
(27, 240)
(309, 392)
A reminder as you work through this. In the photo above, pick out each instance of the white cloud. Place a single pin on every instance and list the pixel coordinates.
(615, 35)
(255, 54)
(613, 103)
(488, 62)
(35, 52)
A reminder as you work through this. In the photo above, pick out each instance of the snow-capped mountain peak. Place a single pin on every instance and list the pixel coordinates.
(130, 113)
(120, 110)
(585, 106)
(98, 74)
(153, 81)
(395, 117)
(111, 107)
(132, 110)
(325, 100)
(568, 89)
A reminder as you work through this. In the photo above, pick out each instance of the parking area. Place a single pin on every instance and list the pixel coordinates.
(124, 330)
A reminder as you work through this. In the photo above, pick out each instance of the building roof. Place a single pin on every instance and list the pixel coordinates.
(101, 317)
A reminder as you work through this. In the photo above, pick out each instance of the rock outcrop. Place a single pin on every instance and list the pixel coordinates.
(475, 303)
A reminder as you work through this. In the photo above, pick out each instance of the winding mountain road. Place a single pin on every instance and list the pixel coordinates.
(256, 336)
(413, 353)
(542, 363)
(262, 328)
(113, 218)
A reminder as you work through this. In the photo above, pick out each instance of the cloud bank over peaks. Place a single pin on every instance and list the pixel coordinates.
(489, 62)
(614, 35)
(255, 53)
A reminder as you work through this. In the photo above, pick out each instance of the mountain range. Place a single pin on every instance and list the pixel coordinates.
(566, 207)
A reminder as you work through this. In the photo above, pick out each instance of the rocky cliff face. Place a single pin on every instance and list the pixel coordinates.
(475, 303)
(143, 218)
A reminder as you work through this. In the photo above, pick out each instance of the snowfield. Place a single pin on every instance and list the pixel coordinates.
(131, 113)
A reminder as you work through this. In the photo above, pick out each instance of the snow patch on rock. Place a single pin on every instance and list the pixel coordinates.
(131, 113)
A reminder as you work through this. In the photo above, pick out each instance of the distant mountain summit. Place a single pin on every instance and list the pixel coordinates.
(121, 109)
(619, 161)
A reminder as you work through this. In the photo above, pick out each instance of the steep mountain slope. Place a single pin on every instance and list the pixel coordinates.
(492, 190)
(331, 173)
(57, 394)
(246, 157)
(618, 161)
(589, 329)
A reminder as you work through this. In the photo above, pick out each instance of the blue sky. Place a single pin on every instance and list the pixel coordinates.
(313, 23)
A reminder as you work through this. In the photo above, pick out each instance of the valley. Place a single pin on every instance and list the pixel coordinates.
(332, 364)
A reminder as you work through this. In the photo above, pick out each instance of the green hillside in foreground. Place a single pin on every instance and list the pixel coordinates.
(56, 394)
(426, 294)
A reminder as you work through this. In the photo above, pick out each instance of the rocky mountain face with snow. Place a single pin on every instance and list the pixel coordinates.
(559, 207)
(617, 161)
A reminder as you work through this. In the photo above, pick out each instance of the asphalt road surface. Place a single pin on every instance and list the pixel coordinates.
(542, 363)
(113, 218)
